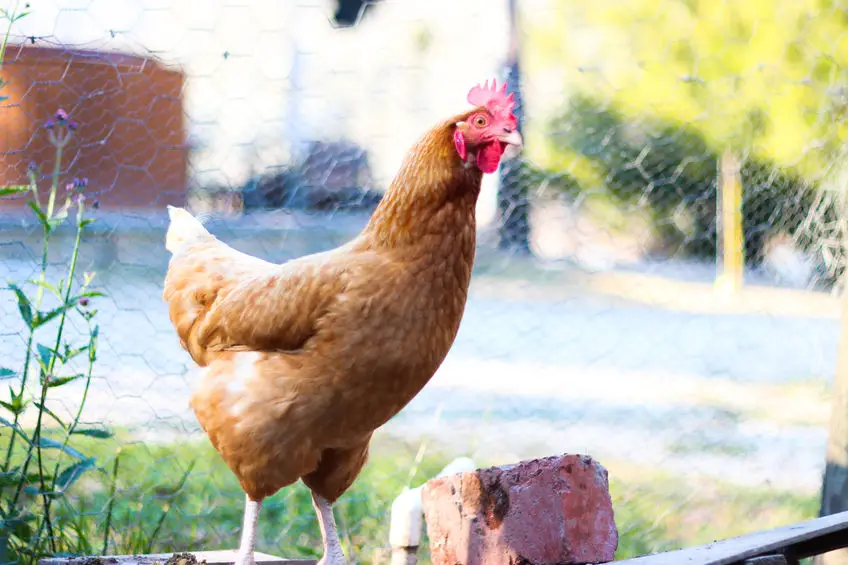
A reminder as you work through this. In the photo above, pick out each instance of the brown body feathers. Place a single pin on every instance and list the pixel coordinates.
(304, 360)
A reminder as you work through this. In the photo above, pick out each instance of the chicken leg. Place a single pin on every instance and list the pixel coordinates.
(248, 532)
(333, 554)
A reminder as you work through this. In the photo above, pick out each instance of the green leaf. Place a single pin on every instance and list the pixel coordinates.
(13, 477)
(92, 294)
(16, 405)
(47, 443)
(18, 528)
(44, 317)
(57, 220)
(46, 285)
(92, 350)
(24, 305)
(94, 432)
(4, 372)
(73, 472)
(42, 217)
(45, 356)
(59, 381)
(71, 353)
(14, 189)
(35, 490)
(9, 478)
(50, 413)
(86, 222)
(15, 428)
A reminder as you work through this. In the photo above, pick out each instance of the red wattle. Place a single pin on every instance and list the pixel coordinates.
(489, 156)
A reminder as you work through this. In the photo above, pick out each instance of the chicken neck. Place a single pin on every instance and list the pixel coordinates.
(433, 195)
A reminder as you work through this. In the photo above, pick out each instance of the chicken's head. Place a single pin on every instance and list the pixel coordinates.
(482, 137)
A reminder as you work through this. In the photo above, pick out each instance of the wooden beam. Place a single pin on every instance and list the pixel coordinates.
(217, 557)
(766, 560)
(835, 483)
(799, 540)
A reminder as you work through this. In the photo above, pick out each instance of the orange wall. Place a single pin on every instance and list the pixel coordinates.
(131, 141)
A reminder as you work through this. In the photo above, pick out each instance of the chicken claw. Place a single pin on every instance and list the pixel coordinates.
(333, 554)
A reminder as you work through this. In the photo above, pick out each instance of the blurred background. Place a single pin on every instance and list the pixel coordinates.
(657, 277)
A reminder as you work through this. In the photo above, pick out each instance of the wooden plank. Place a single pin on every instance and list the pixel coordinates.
(766, 560)
(828, 531)
(217, 557)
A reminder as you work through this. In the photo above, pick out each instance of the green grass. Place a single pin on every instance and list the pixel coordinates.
(182, 497)
(658, 511)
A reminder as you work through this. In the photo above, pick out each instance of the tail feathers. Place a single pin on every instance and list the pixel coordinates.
(183, 229)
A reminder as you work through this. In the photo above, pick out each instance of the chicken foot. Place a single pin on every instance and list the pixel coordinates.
(333, 554)
(248, 532)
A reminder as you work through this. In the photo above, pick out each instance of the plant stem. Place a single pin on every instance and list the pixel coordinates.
(167, 508)
(12, 16)
(75, 422)
(111, 503)
(31, 338)
(54, 182)
(36, 436)
(45, 386)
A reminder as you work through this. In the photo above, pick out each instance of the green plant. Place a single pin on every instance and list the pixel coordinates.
(38, 463)
(9, 16)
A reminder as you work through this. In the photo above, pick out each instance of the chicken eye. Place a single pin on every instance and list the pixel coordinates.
(480, 121)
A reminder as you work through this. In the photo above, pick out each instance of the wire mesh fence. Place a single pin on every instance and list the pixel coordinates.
(592, 324)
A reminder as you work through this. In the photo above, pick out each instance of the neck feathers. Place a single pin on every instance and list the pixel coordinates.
(434, 193)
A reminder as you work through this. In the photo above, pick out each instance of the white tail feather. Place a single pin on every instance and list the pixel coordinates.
(184, 228)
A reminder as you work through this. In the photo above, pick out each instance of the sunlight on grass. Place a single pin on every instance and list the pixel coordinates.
(182, 497)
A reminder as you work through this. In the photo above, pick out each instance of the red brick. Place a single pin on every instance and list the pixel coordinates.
(552, 511)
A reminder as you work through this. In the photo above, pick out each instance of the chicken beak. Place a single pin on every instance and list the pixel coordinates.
(511, 138)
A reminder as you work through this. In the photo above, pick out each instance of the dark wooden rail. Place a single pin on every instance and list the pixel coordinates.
(781, 546)
(218, 557)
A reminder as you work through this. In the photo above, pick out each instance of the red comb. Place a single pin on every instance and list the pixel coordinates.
(493, 98)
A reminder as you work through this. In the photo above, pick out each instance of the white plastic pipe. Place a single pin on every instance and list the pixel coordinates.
(407, 516)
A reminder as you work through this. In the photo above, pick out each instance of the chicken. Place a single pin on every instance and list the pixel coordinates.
(302, 362)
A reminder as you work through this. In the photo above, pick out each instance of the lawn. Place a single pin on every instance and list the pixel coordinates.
(180, 496)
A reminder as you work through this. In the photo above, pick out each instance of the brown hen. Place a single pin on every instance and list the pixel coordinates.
(303, 361)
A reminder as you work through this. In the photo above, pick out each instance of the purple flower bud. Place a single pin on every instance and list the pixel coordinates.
(96, 204)
(61, 115)
(32, 167)
(70, 186)
(49, 124)
(82, 183)
(79, 198)
(72, 125)
(83, 302)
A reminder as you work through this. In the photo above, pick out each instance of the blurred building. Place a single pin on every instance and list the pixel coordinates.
(256, 83)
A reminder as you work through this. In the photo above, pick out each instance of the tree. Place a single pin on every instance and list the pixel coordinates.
(764, 77)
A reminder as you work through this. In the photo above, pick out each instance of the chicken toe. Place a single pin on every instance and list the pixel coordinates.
(333, 554)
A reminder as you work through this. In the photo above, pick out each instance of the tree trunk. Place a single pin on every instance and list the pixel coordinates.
(835, 483)
(730, 238)
(513, 211)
